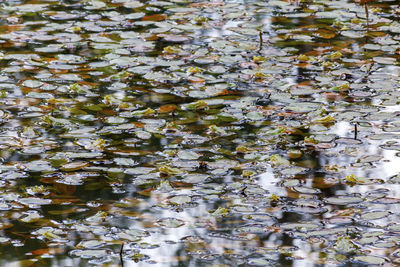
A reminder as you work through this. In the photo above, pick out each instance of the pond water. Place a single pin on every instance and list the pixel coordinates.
(199, 133)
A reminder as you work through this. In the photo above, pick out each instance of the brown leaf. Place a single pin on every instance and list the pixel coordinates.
(65, 188)
(326, 34)
(167, 108)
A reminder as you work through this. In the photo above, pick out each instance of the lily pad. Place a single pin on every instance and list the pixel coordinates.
(373, 260)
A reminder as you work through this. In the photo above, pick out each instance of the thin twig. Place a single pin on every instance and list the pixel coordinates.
(261, 41)
(369, 70)
(120, 254)
(367, 14)
(355, 131)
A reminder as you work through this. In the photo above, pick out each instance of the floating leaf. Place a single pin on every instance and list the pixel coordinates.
(188, 155)
(32, 201)
(170, 222)
(74, 166)
(299, 226)
(89, 244)
(344, 200)
(88, 254)
(179, 200)
(125, 161)
(374, 215)
(370, 260)
(220, 212)
(278, 160)
(31, 217)
(169, 170)
(39, 166)
(345, 245)
(98, 217)
(165, 187)
(352, 179)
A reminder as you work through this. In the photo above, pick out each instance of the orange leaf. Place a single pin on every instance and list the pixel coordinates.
(332, 96)
(57, 71)
(60, 201)
(49, 251)
(146, 192)
(207, 4)
(155, 17)
(196, 80)
(225, 92)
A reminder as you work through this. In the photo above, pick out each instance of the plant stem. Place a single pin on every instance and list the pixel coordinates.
(120, 254)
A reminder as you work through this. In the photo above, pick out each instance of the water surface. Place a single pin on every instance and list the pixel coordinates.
(188, 133)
